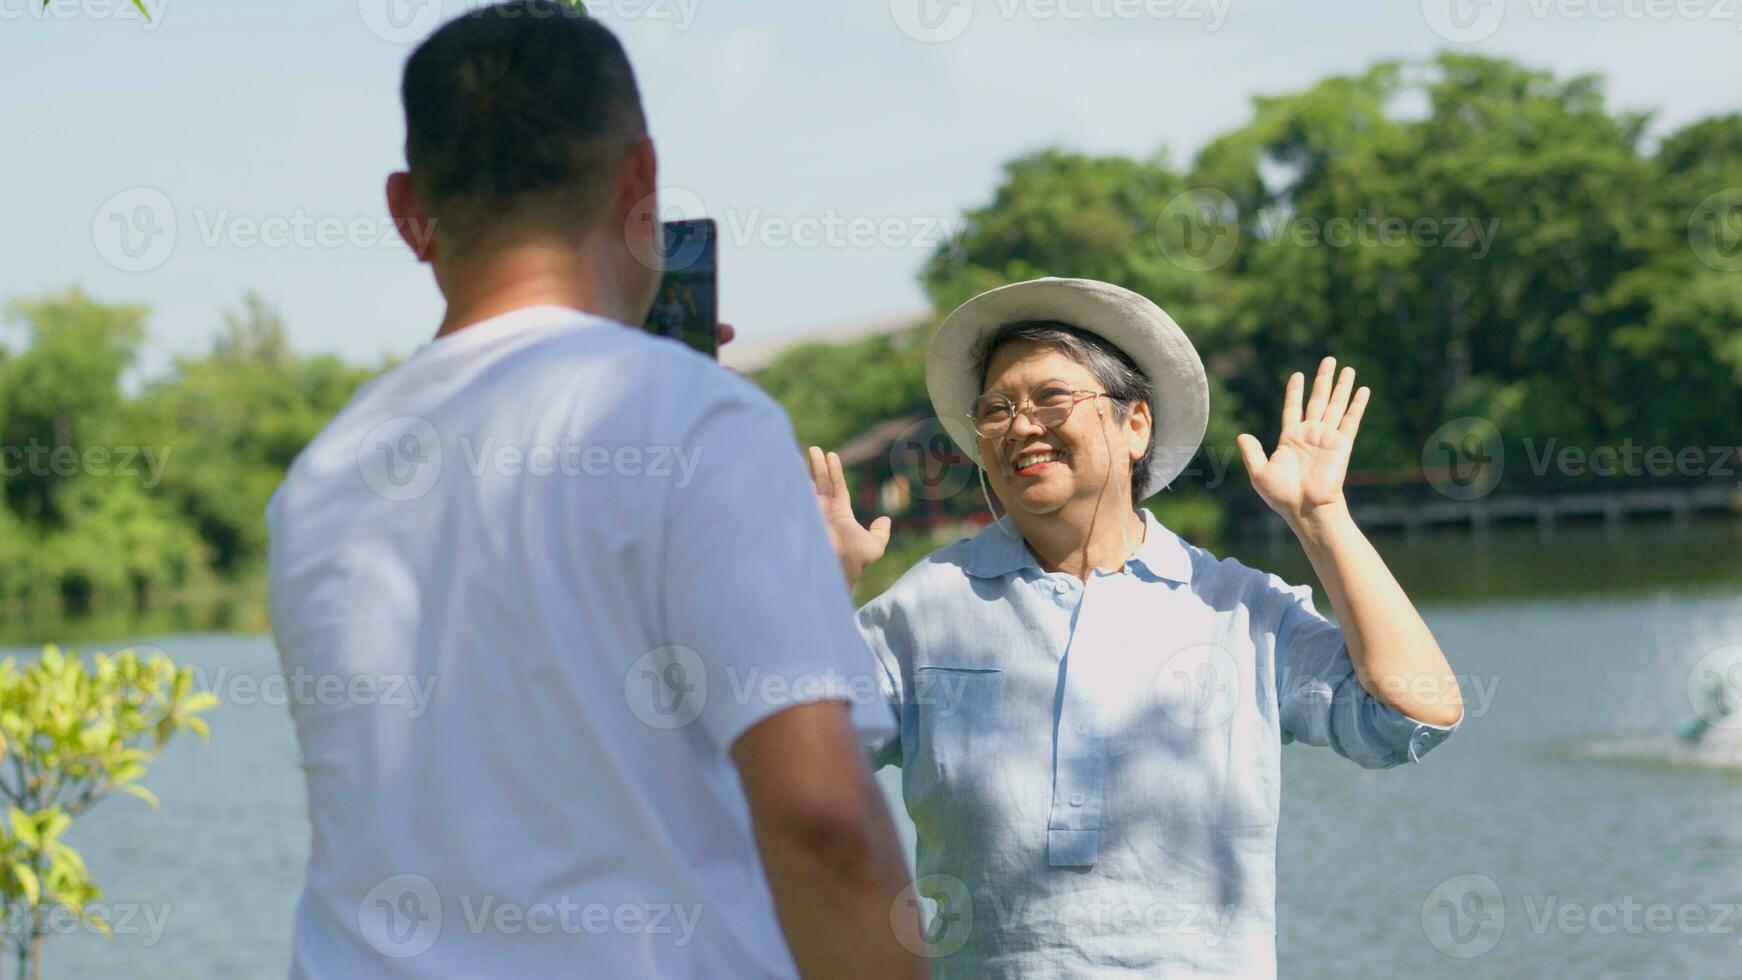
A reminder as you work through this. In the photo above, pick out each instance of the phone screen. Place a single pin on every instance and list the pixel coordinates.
(686, 308)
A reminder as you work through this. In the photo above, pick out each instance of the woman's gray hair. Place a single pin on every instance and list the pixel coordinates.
(1112, 367)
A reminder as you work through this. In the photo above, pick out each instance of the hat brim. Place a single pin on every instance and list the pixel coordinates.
(1128, 321)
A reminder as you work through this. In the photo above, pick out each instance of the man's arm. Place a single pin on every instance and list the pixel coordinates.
(833, 861)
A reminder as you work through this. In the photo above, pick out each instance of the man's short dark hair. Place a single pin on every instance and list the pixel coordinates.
(518, 112)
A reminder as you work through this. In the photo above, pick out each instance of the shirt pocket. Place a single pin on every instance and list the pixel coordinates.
(958, 712)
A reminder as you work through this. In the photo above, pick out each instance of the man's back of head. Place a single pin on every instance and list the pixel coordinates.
(528, 160)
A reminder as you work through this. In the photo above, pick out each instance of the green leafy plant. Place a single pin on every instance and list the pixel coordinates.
(71, 733)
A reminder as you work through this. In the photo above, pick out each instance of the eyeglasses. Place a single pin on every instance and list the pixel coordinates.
(1047, 406)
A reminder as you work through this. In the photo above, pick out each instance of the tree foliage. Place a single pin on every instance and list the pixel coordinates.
(1547, 277)
(108, 498)
(71, 733)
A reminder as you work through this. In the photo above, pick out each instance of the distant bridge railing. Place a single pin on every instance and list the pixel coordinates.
(1479, 498)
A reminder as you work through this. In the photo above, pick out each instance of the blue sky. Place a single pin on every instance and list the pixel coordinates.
(834, 139)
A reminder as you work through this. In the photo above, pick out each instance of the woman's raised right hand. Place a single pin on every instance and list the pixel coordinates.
(856, 545)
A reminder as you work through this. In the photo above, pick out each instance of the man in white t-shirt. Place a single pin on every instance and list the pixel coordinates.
(574, 671)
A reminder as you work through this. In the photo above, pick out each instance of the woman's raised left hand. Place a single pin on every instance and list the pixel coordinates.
(1303, 478)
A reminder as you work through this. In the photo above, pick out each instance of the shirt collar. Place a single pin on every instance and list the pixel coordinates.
(999, 549)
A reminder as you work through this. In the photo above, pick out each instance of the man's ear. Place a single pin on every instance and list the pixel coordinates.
(413, 222)
(636, 207)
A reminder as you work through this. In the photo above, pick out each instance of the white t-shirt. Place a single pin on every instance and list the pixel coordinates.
(528, 588)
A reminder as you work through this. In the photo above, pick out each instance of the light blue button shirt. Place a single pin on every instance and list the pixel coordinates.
(1093, 769)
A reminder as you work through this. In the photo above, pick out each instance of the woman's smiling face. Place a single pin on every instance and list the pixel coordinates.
(1040, 469)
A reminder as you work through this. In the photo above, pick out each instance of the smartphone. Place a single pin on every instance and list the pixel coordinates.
(686, 308)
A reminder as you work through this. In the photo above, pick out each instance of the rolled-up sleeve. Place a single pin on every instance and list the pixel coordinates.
(1320, 700)
(881, 626)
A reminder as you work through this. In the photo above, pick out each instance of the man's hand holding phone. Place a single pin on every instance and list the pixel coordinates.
(686, 307)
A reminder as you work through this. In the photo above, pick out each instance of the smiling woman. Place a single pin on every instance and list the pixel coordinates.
(1137, 689)
(1075, 366)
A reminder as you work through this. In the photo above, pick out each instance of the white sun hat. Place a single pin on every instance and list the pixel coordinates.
(1130, 322)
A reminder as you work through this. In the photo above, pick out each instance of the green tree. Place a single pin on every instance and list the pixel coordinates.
(234, 421)
(61, 395)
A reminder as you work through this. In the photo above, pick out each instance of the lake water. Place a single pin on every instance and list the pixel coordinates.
(1563, 832)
